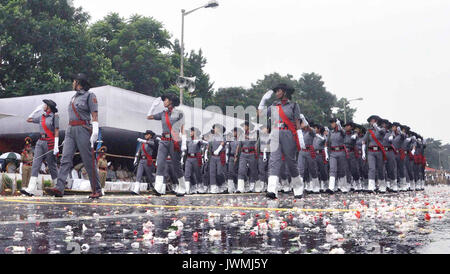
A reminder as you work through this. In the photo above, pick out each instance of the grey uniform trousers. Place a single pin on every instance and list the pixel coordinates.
(352, 167)
(232, 169)
(248, 162)
(41, 149)
(143, 167)
(166, 148)
(306, 164)
(391, 166)
(282, 143)
(376, 165)
(363, 169)
(322, 168)
(192, 171)
(409, 169)
(400, 164)
(216, 171)
(338, 164)
(263, 168)
(78, 137)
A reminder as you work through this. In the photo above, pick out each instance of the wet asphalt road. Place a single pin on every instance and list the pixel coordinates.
(412, 222)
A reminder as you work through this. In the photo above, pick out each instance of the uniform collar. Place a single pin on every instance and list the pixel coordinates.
(81, 92)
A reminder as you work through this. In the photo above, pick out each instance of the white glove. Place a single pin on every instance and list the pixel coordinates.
(363, 152)
(300, 139)
(94, 135)
(264, 99)
(399, 130)
(304, 119)
(408, 139)
(20, 168)
(327, 157)
(320, 137)
(182, 158)
(327, 129)
(183, 143)
(265, 155)
(413, 151)
(157, 138)
(375, 125)
(56, 148)
(391, 138)
(218, 150)
(141, 140)
(413, 138)
(155, 103)
(39, 108)
(206, 157)
(135, 161)
(354, 136)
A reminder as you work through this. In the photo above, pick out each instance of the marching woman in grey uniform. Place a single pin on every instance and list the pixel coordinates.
(362, 164)
(172, 121)
(407, 147)
(417, 161)
(284, 138)
(248, 159)
(81, 134)
(376, 155)
(398, 138)
(338, 160)
(403, 151)
(263, 149)
(307, 157)
(48, 121)
(144, 160)
(352, 172)
(193, 164)
(205, 167)
(217, 158)
(322, 158)
(232, 154)
(390, 164)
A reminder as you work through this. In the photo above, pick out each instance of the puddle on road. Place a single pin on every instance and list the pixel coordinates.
(375, 224)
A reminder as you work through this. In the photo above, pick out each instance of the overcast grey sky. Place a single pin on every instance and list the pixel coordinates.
(394, 54)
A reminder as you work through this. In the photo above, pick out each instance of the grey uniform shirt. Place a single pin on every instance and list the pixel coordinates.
(264, 142)
(308, 136)
(336, 138)
(51, 121)
(193, 148)
(85, 103)
(379, 134)
(248, 141)
(232, 145)
(359, 142)
(318, 143)
(176, 118)
(215, 142)
(149, 148)
(291, 109)
(398, 140)
(348, 141)
(386, 142)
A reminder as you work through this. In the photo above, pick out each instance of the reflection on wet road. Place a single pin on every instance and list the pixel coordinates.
(231, 224)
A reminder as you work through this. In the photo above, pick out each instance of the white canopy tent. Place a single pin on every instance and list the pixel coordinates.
(122, 115)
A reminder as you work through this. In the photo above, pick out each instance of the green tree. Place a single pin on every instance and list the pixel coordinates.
(42, 44)
(340, 113)
(135, 48)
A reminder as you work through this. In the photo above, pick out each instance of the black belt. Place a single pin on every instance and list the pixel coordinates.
(319, 151)
(143, 157)
(375, 148)
(193, 155)
(166, 135)
(350, 149)
(337, 148)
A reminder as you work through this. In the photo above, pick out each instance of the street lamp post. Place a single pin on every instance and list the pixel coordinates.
(345, 107)
(211, 4)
